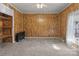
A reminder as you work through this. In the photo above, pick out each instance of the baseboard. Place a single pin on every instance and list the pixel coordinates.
(44, 37)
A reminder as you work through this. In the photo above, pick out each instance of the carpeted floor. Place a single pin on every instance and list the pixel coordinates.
(37, 47)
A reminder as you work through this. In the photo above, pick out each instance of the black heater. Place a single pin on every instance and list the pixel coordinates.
(19, 36)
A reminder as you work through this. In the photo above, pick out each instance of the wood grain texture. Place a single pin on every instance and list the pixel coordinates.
(41, 25)
(63, 18)
(18, 19)
(18, 22)
(52, 25)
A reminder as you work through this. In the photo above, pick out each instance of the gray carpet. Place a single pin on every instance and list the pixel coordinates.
(37, 47)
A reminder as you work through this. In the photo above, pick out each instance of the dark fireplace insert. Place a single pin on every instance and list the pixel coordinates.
(19, 36)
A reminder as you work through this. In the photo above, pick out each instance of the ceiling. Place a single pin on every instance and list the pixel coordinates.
(30, 8)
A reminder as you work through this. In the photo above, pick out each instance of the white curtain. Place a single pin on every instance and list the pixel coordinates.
(70, 35)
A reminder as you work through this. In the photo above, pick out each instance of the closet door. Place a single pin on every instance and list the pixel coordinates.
(10, 12)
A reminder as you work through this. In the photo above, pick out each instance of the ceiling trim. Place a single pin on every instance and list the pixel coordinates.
(15, 7)
(39, 13)
(65, 8)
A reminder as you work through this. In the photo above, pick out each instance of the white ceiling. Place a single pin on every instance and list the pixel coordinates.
(52, 8)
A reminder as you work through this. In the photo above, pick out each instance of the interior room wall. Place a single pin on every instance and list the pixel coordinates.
(18, 19)
(41, 25)
(59, 21)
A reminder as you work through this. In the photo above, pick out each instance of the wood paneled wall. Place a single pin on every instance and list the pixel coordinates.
(18, 19)
(63, 18)
(41, 25)
(50, 25)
